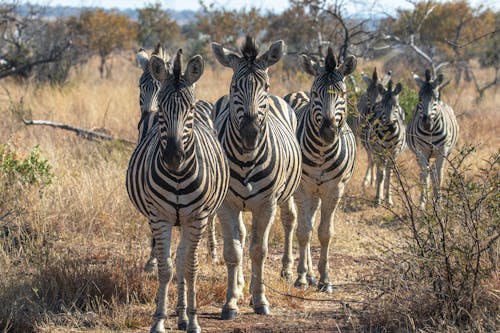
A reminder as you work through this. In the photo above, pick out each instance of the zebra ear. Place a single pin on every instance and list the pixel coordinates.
(439, 80)
(308, 65)
(273, 54)
(398, 89)
(194, 69)
(143, 59)
(420, 82)
(158, 68)
(375, 75)
(348, 66)
(224, 56)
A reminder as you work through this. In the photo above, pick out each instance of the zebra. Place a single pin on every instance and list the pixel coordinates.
(385, 137)
(178, 175)
(432, 132)
(257, 132)
(328, 155)
(365, 101)
(148, 103)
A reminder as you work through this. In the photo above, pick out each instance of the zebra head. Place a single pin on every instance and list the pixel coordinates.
(371, 84)
(328, 93)
(176, 103)
(391, 112)
(428, 98)
(149, 87)
(249, 89)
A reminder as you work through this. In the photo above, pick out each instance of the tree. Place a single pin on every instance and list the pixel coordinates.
(99, 32)
(155, 25)
(28, 44)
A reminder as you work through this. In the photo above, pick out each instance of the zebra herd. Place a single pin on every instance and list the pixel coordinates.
(254, 151)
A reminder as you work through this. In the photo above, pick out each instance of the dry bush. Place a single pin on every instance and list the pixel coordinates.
(442, 273)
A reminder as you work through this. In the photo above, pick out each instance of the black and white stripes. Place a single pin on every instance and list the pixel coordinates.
(432, 132)
(385, 137)
(178, 175)
(257, 132)
(328, 154)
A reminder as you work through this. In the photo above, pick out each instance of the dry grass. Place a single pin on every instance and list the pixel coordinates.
(81, 245)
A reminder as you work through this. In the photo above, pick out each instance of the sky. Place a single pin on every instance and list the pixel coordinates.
(274, 5)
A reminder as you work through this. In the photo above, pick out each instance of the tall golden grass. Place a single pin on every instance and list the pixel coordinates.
(81, 245)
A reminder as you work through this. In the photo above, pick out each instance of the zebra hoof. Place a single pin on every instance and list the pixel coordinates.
(300, 284)
(182, 324)
(326, 288)
(229, 314)
(287, 276)
(262, 310)
(194, 330)
(311, 280)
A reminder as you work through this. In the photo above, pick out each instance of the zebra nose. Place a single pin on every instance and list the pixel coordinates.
(174, 153)
(249, 131)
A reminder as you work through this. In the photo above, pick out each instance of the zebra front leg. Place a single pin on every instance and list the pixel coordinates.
(325, 233)
(307, 206)
(437, 176)
(189, 243)
(262, 221)
(423, 162)
(380, 187)
(243, 234)
(370, 170)
(182, 318)
(162, 233)
(387, 184)
(233, 255)
(212, 240)
(289, 221)
(152, 263)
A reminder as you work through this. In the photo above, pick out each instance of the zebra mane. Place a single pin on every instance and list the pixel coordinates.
(177, 71)
(389, 85)
(330, 61)
(249, 49)
(427, 75)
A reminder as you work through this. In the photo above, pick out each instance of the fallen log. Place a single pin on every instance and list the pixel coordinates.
(97, 134)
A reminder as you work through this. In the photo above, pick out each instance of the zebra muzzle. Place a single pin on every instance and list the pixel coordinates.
(250, 132)
(327, 132)
(174, 154)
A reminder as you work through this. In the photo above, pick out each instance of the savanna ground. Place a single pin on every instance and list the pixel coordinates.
(73, 251)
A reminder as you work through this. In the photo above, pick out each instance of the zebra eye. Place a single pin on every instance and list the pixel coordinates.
(234, 88)
(266, 87)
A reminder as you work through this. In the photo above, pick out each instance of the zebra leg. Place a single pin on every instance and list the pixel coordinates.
(423, 162)
(437, 176)
(212, 240)
(243, 234)
(189, 243)
(182, 319)
(229, 218)
(307, 206)
(289, 221)
(261, 225)
(380, 181)
(387, 185)
(368, 180)
(162, 233)
(325, 233)
(152, 263)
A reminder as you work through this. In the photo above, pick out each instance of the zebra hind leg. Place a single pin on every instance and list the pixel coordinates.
(212, 240)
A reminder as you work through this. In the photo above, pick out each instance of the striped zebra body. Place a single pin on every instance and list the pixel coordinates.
(386, 138)
(178, 175)
(148, 102)
(360, 127)
(257, 133)
(328, 155)
(432, 133)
